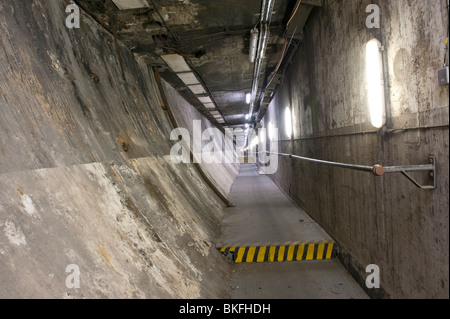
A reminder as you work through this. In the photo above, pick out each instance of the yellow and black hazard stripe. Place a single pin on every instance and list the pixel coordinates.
(281, 253)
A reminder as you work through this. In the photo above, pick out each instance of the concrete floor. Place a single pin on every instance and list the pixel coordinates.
(320, 279)
(264, 215)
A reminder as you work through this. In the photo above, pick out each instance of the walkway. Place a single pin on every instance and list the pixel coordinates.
(279, 251)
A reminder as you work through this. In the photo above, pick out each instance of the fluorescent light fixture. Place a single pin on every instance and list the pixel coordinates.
(375, 83)
(247, 116)
(188, 78)
(197, 89)
(255, 141)
(130, 4)
(210, 106)
(288, 122)
(271, 131)
(248, 98)
(205, 99)
(262, 136)
(176, 63)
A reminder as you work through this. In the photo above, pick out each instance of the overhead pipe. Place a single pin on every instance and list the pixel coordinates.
(264, 33)
(254, 34)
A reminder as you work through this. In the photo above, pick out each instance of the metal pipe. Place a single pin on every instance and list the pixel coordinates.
(266, 15)
(408, 168)
(263, 39)
(379, 170)
(253, 44)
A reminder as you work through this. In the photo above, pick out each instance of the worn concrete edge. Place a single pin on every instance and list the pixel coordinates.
(357, 271)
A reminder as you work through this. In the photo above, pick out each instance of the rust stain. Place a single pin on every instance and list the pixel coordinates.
(20, 190)
(125, 146)
(102, 250)
(135, 165)
(132, 207)
(117, 177)
(150, 187)
(95, 77)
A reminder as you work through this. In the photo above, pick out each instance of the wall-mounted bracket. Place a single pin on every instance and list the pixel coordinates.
(415, 168)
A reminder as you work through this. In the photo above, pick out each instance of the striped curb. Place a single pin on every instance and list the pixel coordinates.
(280, 253)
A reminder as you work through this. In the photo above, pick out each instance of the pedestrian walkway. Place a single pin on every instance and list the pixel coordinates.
(279, 251)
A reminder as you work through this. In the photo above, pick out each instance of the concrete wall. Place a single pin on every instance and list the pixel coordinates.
(222, 176)
(385, 221)
(85, 173)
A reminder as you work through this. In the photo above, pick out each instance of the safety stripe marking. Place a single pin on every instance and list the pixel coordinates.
(280, 253)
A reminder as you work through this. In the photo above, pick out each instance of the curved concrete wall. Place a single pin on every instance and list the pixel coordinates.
(85, 173)
(222, 176)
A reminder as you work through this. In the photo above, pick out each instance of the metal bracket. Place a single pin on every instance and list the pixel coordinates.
(415, 168)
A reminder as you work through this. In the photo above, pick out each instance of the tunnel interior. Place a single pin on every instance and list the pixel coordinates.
(130, 129)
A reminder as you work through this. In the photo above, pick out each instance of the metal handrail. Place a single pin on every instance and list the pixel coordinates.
(377, 170)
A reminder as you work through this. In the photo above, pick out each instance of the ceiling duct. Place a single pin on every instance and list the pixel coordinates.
(293, 36)
(264, 32)
(253, 44)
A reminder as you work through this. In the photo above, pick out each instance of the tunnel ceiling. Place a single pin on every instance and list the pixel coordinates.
(213, 38)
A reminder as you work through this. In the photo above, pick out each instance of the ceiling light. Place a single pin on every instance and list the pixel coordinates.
(288, 122)
(188, 78)
(131, 4)
(375, 83)
(210, 106)
(176, 63)
(262, 136)
(197, 89)
(271, 131)
(247, 116)
(255, 141)
(248, 98)
(205, 99)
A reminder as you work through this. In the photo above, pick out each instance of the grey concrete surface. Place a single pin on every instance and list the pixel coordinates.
(323, 279)
(85, 173)
(262, 214)
(85, 176)
(387, 221)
